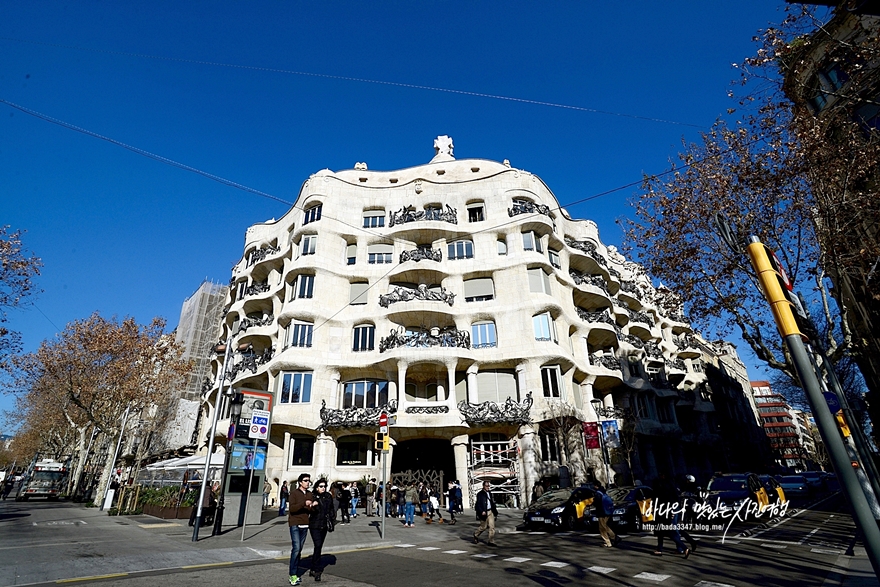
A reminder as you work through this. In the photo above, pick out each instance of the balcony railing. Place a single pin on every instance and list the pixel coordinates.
(260, 254)
(676, 364)
(442, 337)
(250, 360)
(633, 340)
(510, 412)
(606, 360)
(420, 253)
(594, 280)
(256, 288)
(354, 417)
(642, 317)
(652, 349)
(410, 214)
(405, 294)
(589, 248)
(629, 287)
(601, 316)
(529, 208)
(254, 322)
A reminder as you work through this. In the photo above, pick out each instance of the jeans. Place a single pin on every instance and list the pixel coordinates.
(318, 537)
(409, 513)
(354, 505)
(297, 541)
(265, 500)
(283, 506)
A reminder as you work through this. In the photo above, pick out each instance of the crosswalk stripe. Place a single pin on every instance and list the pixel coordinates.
(711, 584)
(651, 577)
(429, 548)
(602, 570)
(454, 551)
(484, 555)
(777, 546)
(517, 559)
(826, 551)
(404, 545)
(555, 564)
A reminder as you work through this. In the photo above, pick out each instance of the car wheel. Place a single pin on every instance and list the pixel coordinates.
(568, 522)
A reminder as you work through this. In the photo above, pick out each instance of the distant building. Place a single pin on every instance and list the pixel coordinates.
(781, 427)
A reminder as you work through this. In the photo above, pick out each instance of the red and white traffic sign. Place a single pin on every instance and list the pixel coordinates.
(781, 269)
(383, 423)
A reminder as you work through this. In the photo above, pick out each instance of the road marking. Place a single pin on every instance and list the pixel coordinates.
(517, 559)
(809, 534)
(533, 533)
(602, 570)
(826, 551)
(92, 578)
(778, 546)
(711, 584)
(555, 564)
(729, 541)
(204, 565)
(651, 577)
(166, 525)
(454, 551)
(429, 548)
(484, 555)
(404, 545)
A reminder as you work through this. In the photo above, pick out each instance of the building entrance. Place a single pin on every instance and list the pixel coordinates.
(425, 460)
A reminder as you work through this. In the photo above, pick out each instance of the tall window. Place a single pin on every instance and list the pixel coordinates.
(352, 450)
(365, 393)
(554, 258)
(296, 388)
(551, 381)
(379, 254)
(479, 290)
(308, 245)
(497, 385)
(643, 407)
(502, 247)
(483, 335)
(665, 412)
(549, 447)
(302, 450)
(475, 213)
(461, 250)
(300, 334)
(429, 392)
(302, 287)
(313, 214)
(539, 282)
(351, 254)
(374, 219)
(358, 294)
(532, 242)
(545, 328)
(364, 337)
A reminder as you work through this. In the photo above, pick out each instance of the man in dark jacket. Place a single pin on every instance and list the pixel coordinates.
(486, 514)
(301, 502)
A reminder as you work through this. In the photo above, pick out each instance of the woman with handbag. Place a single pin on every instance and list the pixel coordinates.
(322, 519)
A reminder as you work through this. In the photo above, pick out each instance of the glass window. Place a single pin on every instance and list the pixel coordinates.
(433, 212)
(300, 334)
(532, 242)
(313, 214)
(461, 250)
(475, 213)
(308, 245)
(365, 393)
(545, 328)
(296, 388)
(502, 247)
(302, 287)
(549, 448)
(479, 290)
(554, 258)
(374, 219)
(428, 392)
(483, 335)
(551, 381)
(351, 450)
(539, 282)
(380, 254)
(496, 385)
(364, 337)
(358, 294)
(351, 254)
(665, 411)
(302, 450)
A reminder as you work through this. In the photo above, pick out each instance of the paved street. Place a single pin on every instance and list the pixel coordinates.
(44, 543)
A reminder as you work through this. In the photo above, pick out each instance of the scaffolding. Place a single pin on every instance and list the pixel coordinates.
(197, 332)
(496, 461)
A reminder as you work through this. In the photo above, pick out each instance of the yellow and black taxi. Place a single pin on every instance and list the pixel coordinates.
(730, 492)
(563, 509)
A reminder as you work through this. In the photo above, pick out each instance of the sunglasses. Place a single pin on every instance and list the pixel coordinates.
(321, 486)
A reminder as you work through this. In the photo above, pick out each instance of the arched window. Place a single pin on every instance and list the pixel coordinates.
(462, 249)
(313, 214)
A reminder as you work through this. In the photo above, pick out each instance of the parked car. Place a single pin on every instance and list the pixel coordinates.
(775, 491)
(627, 501)
(832, 483)
(815, 480)
(732, 490)
(560, 508)
(795, 485)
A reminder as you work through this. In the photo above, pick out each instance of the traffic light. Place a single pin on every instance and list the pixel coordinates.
(776, 285)
(841, 423)
(381, 441)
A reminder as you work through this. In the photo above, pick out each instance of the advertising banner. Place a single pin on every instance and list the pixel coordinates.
(610, 434)
(591, 434)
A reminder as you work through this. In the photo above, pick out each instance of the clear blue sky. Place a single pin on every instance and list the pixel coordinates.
(126, 235)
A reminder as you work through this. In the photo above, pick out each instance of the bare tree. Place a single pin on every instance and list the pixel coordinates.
(17, 270)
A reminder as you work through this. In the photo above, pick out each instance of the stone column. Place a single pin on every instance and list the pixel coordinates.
(450, 386)
(521, 380)
(460, 450)
(324, 463)
(528, 462)
(472, 384)
(401, 386)
(286, 464)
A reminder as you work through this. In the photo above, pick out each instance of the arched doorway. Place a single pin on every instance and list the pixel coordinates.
(428, 460)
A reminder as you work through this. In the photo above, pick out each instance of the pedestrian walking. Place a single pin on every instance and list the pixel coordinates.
(401, 501)
(283, 496)
(434, 506)
(486, 514)
(301, 502)
(411, 496)
(450, 501)
(322, 519)
(423, 500)
(380, 494)
(267, 489)
(393, 500)
(604, 508)
(667, 503)
(355, 497)
(459, 498)
(8, 484)
(345, 503)
(537, 491)
(371, 497)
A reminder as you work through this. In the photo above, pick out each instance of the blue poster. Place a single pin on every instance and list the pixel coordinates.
(610, 434)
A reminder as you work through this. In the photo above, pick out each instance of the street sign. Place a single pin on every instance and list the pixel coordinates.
(831, 400)
(383, 423)
(780, 269)
(259, 427)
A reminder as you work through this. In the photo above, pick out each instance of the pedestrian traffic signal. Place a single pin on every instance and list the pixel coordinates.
(382, 441)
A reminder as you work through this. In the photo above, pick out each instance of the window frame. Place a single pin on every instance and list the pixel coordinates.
(305, 378)
(552, 384)
(550, 324)
(371, 216)
(544, 280)
(297, 286)
(295, 441)
(312, 213)
(363, 338)
(308, 239)
(479, 208)
(376, 393)
(535, 238)
(491, 334)
(553, 255)
(292, 328)
(466, 246)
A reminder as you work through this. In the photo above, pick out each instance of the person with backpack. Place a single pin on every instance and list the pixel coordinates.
(371, 497)
(451, 506)
(604, 508)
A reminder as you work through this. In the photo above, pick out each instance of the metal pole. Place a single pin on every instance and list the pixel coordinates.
(384, 489)
(84, 463)
(247, 491)
(195, 536)
(115, 455)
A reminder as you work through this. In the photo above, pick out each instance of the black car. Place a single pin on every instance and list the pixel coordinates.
(729, 493)
(626, 512)
(560, 509)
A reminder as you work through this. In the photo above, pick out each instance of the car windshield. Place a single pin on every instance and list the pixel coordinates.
(554, 495)
(727, 483)
(619, 494)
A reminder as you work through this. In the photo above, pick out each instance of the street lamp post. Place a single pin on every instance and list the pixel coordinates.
(236, 402)
(597, 406)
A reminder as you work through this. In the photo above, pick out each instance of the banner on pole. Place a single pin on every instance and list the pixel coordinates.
(611, 434)
(591, 434)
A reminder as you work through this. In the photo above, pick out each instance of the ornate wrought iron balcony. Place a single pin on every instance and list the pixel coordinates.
(529, 208)
(642, 317)
(589, 248)
(410, 214)
(600, 316)
(618, 413)
(442, 337)
(420, 253)
(254, 322)
(260, 254)
(427, 409)
(607, 361)
(510, 412)
(404, 294)
(633, 340)
(676, 364)
(257, 288)
(594, 280)
(354, 417)
(629, 287)
(653, 350)
(250, 360)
